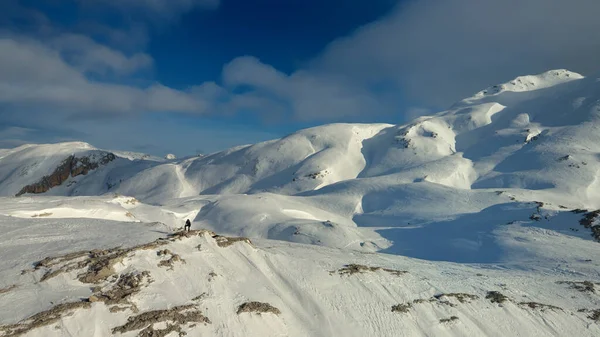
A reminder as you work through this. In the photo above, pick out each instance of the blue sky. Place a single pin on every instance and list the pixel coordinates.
(189, 76)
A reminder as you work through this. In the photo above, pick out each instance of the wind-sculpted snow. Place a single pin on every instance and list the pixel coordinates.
(498, 197)
(271, 288)
(368, 187)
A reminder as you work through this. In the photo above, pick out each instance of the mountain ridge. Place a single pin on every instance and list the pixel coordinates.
(480, 220)
(368, 178)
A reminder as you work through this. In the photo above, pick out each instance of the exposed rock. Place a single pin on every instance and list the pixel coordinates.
(116, 308)
(448, 320)
(171, 261)
(224, 241)
(436, 300)
(351, 269)
(461, 297)
(582, 286)
(403, 308)
(200, 297)
(99, 263)
(176, 317)
(41, 215)
(7, 289)
(70, 167)
(43, 318)
(496, 297)
(258, 307)
(542, 307)
(188, 234)
(126, 286)
(589, 221)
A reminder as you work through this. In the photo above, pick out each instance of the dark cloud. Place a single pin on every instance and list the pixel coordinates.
(440, 51)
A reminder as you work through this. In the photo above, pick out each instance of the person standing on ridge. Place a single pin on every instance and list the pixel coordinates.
(188, 225)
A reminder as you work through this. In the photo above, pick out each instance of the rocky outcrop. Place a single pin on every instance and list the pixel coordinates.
(71, 167)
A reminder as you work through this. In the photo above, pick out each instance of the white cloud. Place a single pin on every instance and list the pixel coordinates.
(442, 50)
(27, 61)
(91, 57)
(249, 70)
(429, 53)
(35, 77)
(305, 95)
(424, 53)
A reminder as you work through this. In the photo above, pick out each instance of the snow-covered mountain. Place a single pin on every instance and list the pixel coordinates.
(506, 179)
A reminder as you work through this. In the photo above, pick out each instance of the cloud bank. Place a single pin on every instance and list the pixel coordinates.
(428, 53)
(438, 51)
(422, 56)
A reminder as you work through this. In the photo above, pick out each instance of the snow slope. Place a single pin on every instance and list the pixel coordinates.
(306, 283)
(490, 187)
(28, 164)
(533, 139)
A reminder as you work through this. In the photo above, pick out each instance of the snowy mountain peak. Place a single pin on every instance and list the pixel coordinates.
(530, 83)
(53, 147)
(505, 186)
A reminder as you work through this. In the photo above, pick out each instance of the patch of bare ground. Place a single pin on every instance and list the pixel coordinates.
(258, 307)
(43, 318)
(174, 319)
(402, 308)
(449, 320)
(581, 286)
(351, 269)
(542, 307)
(8, 289)
(169, 263)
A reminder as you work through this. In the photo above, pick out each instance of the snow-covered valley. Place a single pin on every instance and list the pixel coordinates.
(476, 221)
